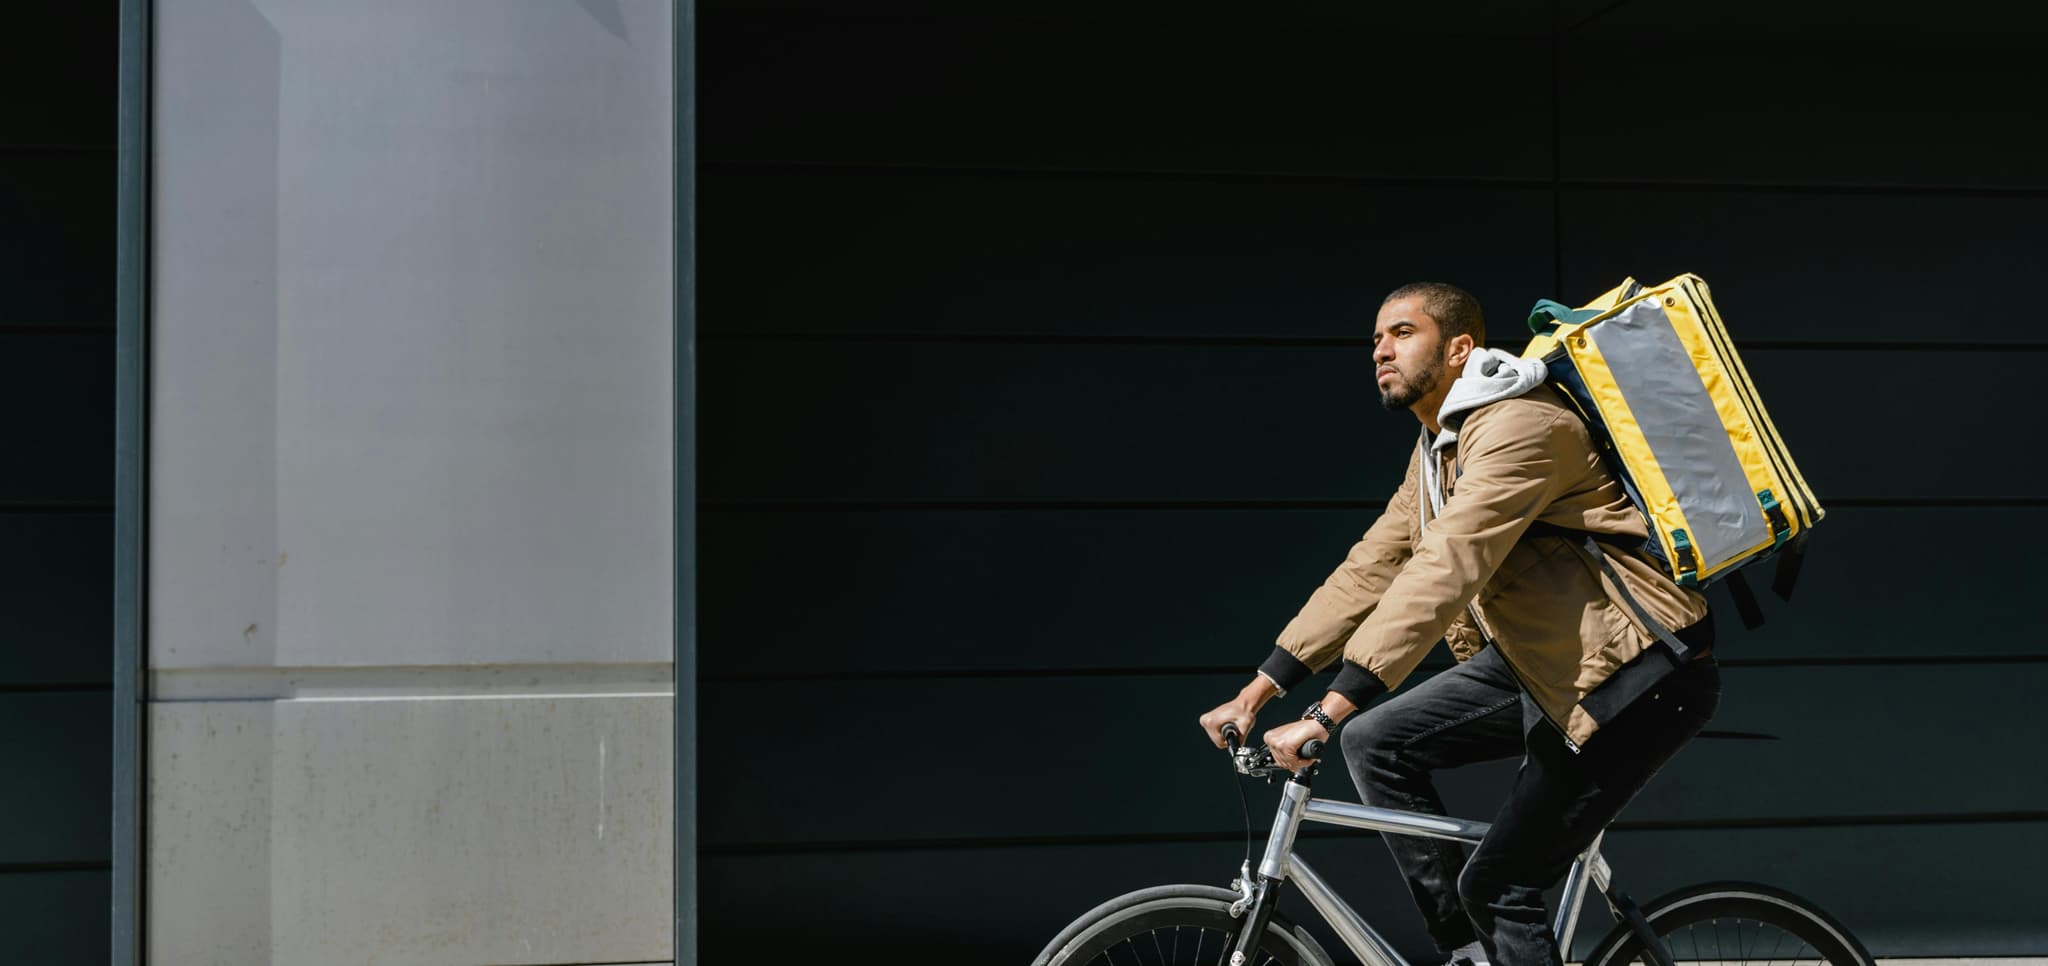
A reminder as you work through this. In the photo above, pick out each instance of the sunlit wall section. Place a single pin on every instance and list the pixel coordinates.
(410, 552)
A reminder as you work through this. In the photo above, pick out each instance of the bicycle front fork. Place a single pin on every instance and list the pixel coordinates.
(1252, 926)
(1264, 890)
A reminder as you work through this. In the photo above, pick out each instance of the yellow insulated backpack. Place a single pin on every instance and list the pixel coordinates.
(1656, 376)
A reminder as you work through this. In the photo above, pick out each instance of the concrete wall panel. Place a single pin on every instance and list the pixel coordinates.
(527, 829)
(411, 546)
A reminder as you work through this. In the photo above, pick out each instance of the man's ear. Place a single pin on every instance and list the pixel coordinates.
(1459, 350)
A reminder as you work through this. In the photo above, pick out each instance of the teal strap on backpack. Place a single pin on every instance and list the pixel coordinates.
(1548, 315)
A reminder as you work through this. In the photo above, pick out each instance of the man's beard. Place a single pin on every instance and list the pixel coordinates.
(1409, 390)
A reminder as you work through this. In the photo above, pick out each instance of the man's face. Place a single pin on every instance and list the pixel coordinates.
(1407, 353)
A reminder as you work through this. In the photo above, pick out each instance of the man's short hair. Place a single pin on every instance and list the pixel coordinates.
(1455, 310)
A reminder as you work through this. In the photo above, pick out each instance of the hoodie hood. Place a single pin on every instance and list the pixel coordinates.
(1489, 377)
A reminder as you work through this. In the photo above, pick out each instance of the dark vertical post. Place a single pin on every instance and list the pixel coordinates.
(131, 482)
(685, 509)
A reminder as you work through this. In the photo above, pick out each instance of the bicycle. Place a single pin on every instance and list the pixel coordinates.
(1723, 922)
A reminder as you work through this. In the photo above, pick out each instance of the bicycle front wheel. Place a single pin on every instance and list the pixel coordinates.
(1176, 925)
(1736, 923)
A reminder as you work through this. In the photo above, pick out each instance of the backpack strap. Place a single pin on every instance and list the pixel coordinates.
(1548, 314)
(1656, 626)
(1790, 557)
(1745, 601)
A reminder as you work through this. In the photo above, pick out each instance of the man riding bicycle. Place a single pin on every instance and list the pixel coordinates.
(1485, 546)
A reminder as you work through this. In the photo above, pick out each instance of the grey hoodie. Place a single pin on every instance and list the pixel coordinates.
(1489, 377)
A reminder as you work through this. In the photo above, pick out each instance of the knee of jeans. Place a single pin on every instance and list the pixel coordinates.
(1476, 888)
(1365, 738)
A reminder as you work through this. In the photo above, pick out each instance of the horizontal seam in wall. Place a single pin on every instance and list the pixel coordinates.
(1034, 339)
(736, 337)
(107, 152)
(96, 329)
(1544, 184)
(815, 506)
(741, 849)
(939, 505)
(900, 170)
(52, 509)
(411, 683)
(818, 19)
(961, 674)
(30, 868)
(1810, 188)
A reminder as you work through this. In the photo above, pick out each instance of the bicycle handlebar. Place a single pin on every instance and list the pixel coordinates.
(1259, 761)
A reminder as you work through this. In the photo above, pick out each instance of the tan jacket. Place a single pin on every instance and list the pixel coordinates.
(1541, 597)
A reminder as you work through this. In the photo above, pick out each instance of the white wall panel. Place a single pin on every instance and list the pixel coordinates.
(411, 551)
(412, 354)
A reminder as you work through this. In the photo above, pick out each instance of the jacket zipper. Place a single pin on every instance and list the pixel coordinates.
(1487, 636)
(1426, 506)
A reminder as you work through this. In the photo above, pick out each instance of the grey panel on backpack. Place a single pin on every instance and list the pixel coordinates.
(1678, 420)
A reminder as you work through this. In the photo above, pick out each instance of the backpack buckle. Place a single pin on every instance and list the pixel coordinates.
(1687, 564)
(1781, 527)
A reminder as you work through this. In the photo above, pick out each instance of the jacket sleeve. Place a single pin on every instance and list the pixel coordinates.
(1312, 640)
(1510, 477)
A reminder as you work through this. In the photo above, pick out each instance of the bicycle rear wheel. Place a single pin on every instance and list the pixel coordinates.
(1736, 923)
(1175, 925)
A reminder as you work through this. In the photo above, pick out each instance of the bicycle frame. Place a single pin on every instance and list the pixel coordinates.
(1280, 863)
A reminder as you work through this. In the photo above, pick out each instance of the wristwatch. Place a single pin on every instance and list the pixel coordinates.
(1316, 714)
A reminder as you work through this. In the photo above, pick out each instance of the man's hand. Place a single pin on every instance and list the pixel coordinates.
(1286, 740)
(1240, 710)
(1236, 711)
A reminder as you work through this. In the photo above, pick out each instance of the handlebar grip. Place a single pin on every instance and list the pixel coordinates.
(1312, 749)
(1231, 737)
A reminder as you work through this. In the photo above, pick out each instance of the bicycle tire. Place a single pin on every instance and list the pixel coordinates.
(1736, 923)
(1173, 925)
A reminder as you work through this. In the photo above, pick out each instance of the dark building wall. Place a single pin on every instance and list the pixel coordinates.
(57, 64)
(1036, 397)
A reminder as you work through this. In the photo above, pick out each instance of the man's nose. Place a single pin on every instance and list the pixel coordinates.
(1382, 352)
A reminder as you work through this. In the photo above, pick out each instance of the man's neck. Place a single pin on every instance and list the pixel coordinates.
(1426, 409)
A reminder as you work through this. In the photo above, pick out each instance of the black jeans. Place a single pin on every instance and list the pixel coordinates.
(1560, 800)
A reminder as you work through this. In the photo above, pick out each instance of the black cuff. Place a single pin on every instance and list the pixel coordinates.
(1358, 685)
(1285, 669)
